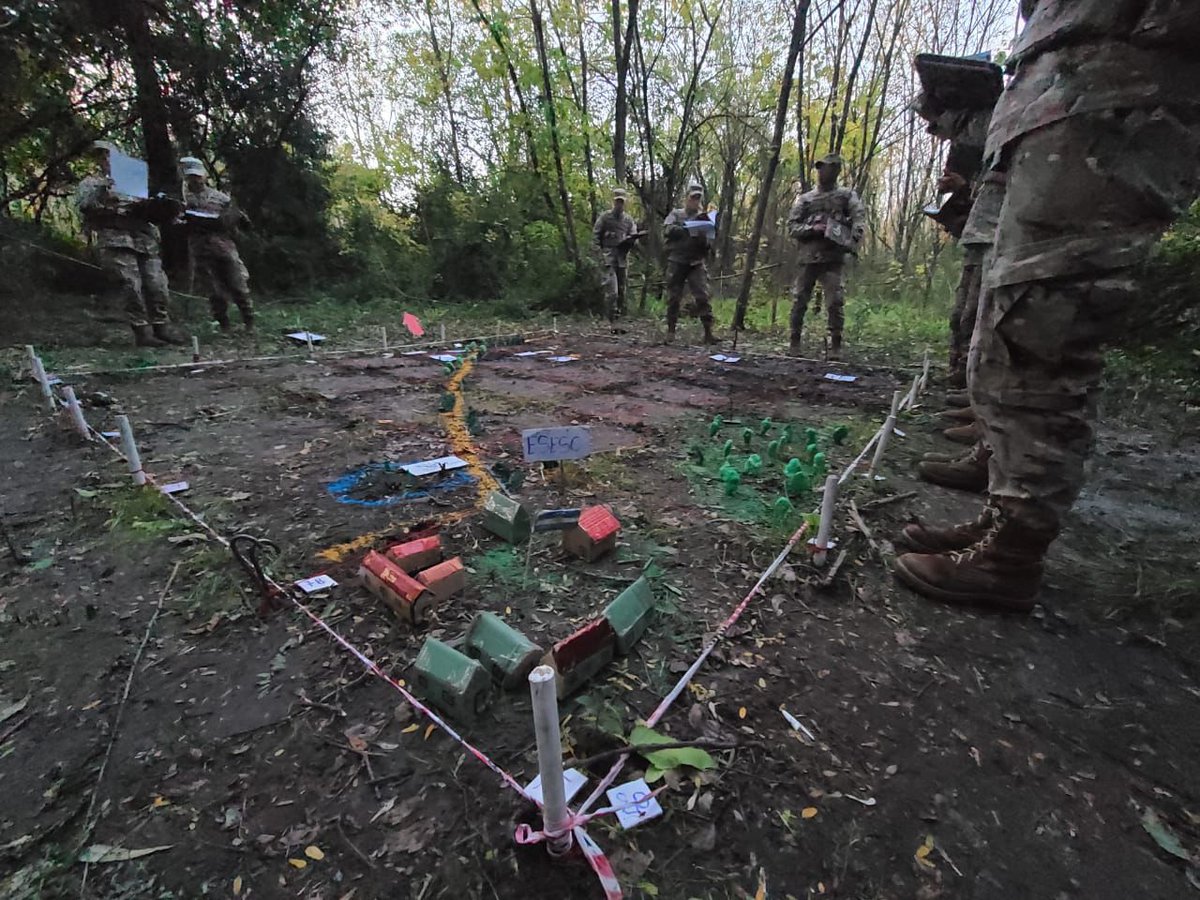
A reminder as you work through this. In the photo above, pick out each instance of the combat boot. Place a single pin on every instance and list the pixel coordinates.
(224, 324)
(709, 337)
(958, 398)
(143, 336)
(966, 473)
(670, 332)
(168, 334)
(962, 415)
(963, 434)
(920, 538)
(1003, 571)
(835, 347)
(248, 321)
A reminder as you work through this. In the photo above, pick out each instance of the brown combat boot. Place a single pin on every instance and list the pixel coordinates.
(963, 434)
(958, 399)
(709, 337)
(968, 472)
(963, 415)
(920, 538)
(168, 334)
(143, 336)
(1003, 571)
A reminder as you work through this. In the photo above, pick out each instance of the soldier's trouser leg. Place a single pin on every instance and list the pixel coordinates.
(965, 311)
(622, 274)
(806, 280)
(123, 265)
(1111, 183)
(833, 285)
(697, 281)
(677, 276)
(154, 288)
(218, 296)
(609, 280)
(229, 273)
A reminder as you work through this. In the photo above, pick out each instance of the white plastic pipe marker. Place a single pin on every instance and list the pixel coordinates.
(130, 450)
(828, 504)
(76, 412)
(543, 692)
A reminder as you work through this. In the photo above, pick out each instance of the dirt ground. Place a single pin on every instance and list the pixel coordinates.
(957, 754)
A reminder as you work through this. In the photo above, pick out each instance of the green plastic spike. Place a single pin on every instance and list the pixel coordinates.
(715, 425)
(747, 437)
(727, 449)
(783, 507)
(765, 426)
(793, 466)
(811, 450)
(753, 464)
(731, 479)
(773, 450)
(788, 435)
(820, 467)
(839, 434)
(810, 435)
(798, 484)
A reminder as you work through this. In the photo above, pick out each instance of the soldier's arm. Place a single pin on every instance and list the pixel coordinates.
(672, 230)
(96, 196)
(798, 225)
(858, 218)
(598, 231)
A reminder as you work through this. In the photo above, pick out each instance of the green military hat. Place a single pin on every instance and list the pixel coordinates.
(829, 159)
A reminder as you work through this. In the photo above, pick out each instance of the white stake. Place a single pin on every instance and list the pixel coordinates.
(556, 324)
(888, 427)
(32, 354)
(129, 448)
(896, 395)
(308, 340)
(39, 373)
(76, 413)
(383, 334)
(543, 693)
(195, 348)
(912, 393)
(925, 372)
(443, 332)
(828, 503)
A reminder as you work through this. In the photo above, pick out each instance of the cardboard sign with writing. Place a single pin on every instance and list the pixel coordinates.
(546, 444)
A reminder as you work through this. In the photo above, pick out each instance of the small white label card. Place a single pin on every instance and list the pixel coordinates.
(316, 583)
(573, 781)
(175, 487)
(847, 379)
(634, 803)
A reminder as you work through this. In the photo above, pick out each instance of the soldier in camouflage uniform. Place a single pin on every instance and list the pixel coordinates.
(687, 251)
(128, 248)
(827, 224)
(1099, 133)
(210, 241)
(614, 234)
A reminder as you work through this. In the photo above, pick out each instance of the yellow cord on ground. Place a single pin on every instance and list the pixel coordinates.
(461, 445)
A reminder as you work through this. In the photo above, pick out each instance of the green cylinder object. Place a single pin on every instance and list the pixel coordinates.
(787, 435)
(811, 450)
(727, 449)
(793, 466)
(773, 450)
(783, 506)
(747, 436)
(764, 426)
(839, 434)
(799, 483)
(731, 479)
(715, 425)
(810, 435)
(820, 467)
(753, 464)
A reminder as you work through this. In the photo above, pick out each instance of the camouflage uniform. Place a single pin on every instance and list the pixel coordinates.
(611, 232)
(1099, 132)
(687, 251)
(820, 258)
(215, 253)
(128, 248)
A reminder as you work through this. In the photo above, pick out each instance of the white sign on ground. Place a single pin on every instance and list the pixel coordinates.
(548, 444)
(573, 780)
(433, 466)
(634, 803)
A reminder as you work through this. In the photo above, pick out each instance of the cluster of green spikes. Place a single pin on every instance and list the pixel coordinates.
(802, 467)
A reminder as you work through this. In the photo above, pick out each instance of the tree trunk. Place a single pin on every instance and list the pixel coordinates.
(621, 51)
(764, 197)
(444, 80)
(564, 195)
(586, 124)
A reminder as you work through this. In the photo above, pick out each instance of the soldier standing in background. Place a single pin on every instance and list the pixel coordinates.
(687, 250)
(1099, 134)
(828, 224)
(614, 234)
(212, 218)
(128, 247)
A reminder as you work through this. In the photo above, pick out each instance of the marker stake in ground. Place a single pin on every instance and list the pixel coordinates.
(195, 348)
(39, 373)
(821, 543)
(544, 694)
(129, 448)
(383, 337)
(888, 427)
(76, 412)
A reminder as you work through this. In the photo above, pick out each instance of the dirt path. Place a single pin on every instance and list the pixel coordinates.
(1026, 751)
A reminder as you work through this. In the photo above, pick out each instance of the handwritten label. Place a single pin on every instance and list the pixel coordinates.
(573, 780)
(433, 466)
(316, 583)
(634, 803)
(567, 442)
(175, 487)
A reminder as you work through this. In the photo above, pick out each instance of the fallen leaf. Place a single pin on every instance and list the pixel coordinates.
(297, 863)
(923, 851)
(7, 712)
(429, 730)
(742, 712)
(1163, 836)
(662, 760)
(106, 853)
(410, 729)
(91, 705)
(238, 496)
(314, 853)
(237, 886)
(160, 802)
(809, 812)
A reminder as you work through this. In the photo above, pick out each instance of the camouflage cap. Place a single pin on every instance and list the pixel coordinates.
(829, 159)
(192, 165)
(106, 146)
(619, 194)
(694, 190)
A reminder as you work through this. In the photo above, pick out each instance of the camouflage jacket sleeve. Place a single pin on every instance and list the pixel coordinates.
(673, 229)
(856, 212)
(797, 218)
(598, 232)
(95, 196)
